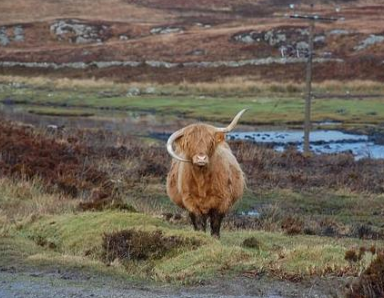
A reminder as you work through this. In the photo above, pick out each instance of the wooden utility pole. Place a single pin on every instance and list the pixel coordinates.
(308, 92)
(308, 84)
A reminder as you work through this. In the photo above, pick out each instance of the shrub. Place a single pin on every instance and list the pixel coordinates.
(131, 245)
(370, 283)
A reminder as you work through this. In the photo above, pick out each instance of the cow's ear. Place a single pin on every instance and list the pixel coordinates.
(220, 137)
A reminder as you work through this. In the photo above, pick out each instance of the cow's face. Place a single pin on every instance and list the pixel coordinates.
(199, 142)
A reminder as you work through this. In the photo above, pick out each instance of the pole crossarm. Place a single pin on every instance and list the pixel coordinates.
(314, 18)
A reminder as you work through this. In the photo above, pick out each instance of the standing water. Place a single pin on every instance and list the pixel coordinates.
(160, 126)
(321, 141)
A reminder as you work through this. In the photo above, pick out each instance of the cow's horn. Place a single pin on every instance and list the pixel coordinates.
(170, 150)
(231, 126)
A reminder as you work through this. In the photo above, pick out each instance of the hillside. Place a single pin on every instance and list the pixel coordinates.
(168, 41)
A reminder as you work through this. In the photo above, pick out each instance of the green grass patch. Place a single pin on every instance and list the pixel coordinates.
(274, 106)
(81, 235)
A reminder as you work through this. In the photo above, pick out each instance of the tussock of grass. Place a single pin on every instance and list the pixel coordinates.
(203, 263)
(313, 260)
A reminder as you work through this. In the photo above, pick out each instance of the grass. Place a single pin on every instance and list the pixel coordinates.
(80, 235)
(268, 103)
(322, 211)
(57, 236)
(21, 199)
(44, 227)
(341, 203)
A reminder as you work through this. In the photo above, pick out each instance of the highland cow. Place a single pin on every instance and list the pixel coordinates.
(205, 177)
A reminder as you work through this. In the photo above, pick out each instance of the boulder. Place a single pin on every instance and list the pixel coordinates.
(371, 40)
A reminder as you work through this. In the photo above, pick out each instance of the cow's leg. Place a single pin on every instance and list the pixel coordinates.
(199, 222)
(194, 221)
(216, 219)
(203, 219)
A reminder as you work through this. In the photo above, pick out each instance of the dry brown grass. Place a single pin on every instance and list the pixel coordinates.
(370, 283)
(227, 86)
(21, 11)
(267, 169)
(22, 199)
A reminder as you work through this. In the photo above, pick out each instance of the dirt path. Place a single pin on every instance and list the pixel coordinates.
(59, 284)
(20, 285)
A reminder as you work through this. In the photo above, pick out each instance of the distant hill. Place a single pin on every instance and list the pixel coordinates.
(200, 40)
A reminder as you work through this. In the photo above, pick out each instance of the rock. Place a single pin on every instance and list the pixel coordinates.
(203, 25)
(123, 37)
(82, 40)
(150, 90)
(166, 30)
(197, 52)
(302, 45)
(249, 37)
(371, 40)
(274, 38)
(319, 39)
(339, 32)
(302, 31)
(75, 31)
(18, 34)
(133, 91)
(4, 40)
(161, 64)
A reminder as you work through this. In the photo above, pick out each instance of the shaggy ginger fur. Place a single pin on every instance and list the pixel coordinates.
(210, 190)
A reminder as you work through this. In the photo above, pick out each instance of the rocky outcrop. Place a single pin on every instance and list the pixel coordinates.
(292, 42)
(276, 37)
(339, 32)
(369, 41)
(18, 34)
(4, 39)
(166, 30)
(79, 32)
(10, 34)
